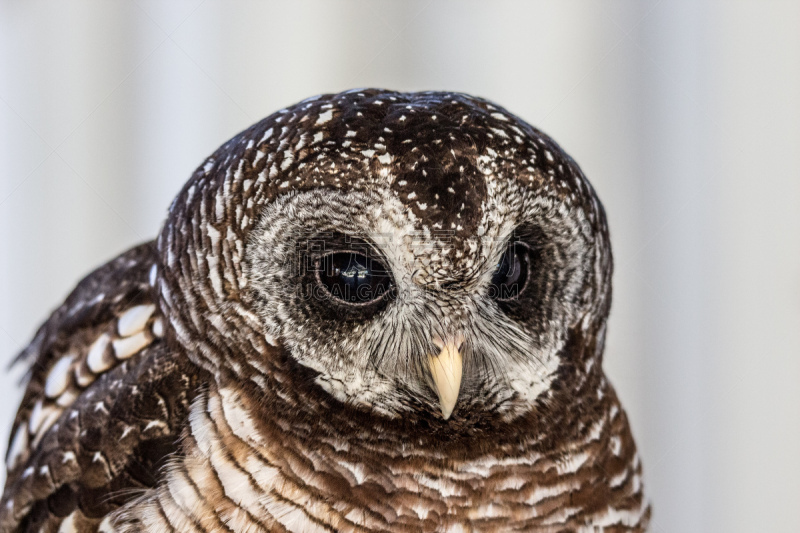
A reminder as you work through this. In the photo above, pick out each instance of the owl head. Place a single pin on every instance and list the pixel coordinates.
(424, 257)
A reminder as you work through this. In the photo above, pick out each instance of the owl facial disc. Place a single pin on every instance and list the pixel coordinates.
(403, 220)
(446, 369)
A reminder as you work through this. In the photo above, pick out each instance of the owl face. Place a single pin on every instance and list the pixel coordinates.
(424, 255)
(394, 316)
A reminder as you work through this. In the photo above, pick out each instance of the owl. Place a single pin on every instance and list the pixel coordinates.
(371, 311)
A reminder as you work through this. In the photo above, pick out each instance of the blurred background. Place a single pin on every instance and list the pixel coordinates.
(685, 115)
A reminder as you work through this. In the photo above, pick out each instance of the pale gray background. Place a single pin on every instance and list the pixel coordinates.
(684, 114)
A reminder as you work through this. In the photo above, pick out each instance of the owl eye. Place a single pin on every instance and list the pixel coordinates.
(511, 276)
(353, 278)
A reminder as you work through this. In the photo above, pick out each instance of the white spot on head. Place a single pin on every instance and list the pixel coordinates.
(267, 135)
(325, 117)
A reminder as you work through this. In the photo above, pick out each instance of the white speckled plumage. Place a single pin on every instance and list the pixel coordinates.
(212, 381)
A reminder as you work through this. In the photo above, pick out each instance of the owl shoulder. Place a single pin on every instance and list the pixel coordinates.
(104, 404)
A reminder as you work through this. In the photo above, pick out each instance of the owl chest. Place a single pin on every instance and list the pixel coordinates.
(234, 478)
(312, 492)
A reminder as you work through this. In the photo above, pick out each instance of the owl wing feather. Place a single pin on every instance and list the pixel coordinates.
(104, 405)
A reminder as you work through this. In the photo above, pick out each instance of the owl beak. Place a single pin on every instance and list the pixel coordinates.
(446, 371)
